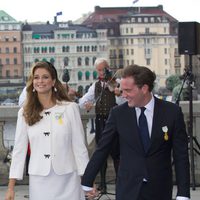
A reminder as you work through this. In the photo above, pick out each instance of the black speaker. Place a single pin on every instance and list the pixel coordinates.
(188, 38)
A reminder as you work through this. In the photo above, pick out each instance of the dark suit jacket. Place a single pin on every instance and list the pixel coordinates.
(156, 165)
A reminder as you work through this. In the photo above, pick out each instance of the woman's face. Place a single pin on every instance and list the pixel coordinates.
(42, 81)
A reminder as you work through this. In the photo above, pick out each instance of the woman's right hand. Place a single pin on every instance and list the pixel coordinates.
(10, 194)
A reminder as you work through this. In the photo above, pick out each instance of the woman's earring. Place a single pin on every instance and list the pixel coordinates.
(55, 89)
(33, 89)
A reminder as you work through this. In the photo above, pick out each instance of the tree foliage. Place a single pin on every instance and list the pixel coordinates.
(172, 81)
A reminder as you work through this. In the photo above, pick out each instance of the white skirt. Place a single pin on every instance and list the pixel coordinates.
(55, 187)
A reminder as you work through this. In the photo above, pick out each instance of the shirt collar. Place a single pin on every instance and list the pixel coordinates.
(150, 105)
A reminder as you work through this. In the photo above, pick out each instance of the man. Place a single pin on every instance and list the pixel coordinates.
(104, 99)
(145, 171)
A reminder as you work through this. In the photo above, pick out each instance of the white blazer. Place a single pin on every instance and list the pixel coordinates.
(57, 140)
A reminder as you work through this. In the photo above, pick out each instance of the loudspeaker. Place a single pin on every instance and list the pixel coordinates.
(188, 38)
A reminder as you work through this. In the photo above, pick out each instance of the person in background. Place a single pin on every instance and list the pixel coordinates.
(100, 96)
(151, 134)
(51, 123)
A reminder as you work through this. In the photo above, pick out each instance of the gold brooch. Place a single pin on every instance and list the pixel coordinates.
(59, 117)
(166, 136)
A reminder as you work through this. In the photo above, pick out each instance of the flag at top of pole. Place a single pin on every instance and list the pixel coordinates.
(135, 1)
(58, 13)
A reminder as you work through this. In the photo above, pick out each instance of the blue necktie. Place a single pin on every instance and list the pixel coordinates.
(143, 128)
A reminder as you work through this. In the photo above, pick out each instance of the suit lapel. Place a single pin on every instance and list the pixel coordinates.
(157, 123)
(133, 137)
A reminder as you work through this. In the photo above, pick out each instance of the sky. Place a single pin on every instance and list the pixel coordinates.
(45, 10)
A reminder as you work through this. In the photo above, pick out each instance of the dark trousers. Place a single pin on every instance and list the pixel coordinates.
(100, 124)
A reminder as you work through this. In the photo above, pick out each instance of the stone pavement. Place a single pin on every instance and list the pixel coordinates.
(22, 192)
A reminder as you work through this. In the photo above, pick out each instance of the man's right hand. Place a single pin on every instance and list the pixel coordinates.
(91, 194)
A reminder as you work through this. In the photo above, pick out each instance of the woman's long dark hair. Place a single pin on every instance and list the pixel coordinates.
(33, 107)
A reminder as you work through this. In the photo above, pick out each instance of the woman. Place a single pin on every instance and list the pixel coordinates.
(52, 126)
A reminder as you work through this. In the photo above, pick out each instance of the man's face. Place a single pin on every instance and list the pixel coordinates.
(135, 96)
(100, 70)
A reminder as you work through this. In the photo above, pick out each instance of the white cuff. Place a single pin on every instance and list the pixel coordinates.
(86, 188)
(182, 198)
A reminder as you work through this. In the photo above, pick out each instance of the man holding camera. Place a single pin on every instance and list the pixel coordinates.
(103, 98)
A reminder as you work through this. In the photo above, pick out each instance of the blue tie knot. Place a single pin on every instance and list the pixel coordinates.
(142, 109)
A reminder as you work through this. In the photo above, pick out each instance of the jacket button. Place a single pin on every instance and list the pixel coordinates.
(47, 156)
(46, 133)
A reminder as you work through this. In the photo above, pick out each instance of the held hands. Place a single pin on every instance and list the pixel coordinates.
(90, 195)
(10, 195)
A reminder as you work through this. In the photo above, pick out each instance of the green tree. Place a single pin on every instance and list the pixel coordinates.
(172, 81)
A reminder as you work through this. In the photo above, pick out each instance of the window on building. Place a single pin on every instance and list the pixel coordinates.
(131, 30)
(7, 73)
(7, 50)
(146, 19)
(166, 72)
(139, 19)
(16, 73)
(80, 74)
(51, 49)
(15, 61)
(95, 75)
(52, 61)
(15, 50)
(87, 75)
(132, 41)
(66, 61)
(147, 30)
(152, 19)
(176, 51)
(148, 61)
(44, 49)
(7, 61)
(79, 61)
(133, 19)
(93, 60)
(178, 70)
(166, 61)
(127, 52)
(177, 62)
(14, 39)
(165, 51)
(132, 51)
(86, 61)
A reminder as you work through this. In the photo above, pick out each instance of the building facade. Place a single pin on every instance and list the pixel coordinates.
(141, 35)
(11, 58)
(124, 35)
(74, 47)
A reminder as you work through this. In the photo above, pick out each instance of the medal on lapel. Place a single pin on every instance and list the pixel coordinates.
(58, 117)
(60, 121)
(166, 136)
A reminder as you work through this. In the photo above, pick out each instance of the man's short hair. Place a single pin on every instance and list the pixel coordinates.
(101, 60)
